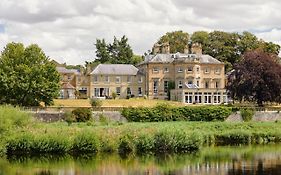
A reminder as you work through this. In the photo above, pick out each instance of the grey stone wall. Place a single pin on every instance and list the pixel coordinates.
(258, 116)
(48, 116)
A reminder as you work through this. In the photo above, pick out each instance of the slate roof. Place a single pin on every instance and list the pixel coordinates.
(115, 69)
(63, 70)
(169, 58)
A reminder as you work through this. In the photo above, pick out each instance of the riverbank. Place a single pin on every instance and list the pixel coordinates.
(23, 135)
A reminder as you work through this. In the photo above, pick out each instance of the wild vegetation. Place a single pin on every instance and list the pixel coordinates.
(22, 135)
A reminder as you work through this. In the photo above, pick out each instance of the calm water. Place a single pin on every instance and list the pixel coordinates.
(256, 160)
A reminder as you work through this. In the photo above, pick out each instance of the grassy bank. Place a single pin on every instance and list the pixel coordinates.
(22, 135)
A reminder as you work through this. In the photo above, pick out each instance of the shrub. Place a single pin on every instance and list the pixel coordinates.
(247, 114)
(125, 145)
(82, 114)
(164, 112)
(85, 142)
(144, 144)
(69, 118)
(96, 103)
(114, 95)
(103, 119)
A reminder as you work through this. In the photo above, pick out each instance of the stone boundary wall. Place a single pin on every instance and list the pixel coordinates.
(258, 116)
(48, 116)
(51, 116)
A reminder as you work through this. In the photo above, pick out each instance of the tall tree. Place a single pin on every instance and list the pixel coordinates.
(257, 77)
(117, 52)
(102, 52)
(27, 77)
(177, 40)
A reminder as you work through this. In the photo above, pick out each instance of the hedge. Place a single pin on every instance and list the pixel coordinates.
(164, 112)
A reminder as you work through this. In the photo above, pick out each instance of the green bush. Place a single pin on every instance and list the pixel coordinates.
(82, 114)
(114, 95)
(247, 114)
(69, 118)
(164, 112)
(85, 142)
(126, 144)
(96, 103)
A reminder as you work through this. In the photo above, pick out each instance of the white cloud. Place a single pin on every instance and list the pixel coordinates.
(67, 30)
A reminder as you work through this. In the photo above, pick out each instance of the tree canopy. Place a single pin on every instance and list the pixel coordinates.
(257, 77)
(177, 40)
(27, 77)
(226, 47)
(117, 52)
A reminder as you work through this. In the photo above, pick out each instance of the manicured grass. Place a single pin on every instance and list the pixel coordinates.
(134, 102)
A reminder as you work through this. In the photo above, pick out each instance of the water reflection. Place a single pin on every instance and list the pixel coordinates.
(261, 160)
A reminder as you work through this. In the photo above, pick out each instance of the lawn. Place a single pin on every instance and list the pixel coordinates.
(134, 102)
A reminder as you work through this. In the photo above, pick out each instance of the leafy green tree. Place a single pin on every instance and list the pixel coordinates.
(177, 40)
(201, 37)
(27, 77)
(117, 52)
(257, 77)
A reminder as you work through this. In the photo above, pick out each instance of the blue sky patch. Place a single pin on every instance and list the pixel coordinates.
(2, 28)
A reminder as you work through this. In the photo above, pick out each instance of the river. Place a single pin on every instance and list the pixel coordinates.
(244, 160)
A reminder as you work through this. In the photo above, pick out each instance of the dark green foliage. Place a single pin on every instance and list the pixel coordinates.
(164, 112)
(85, 142)
(82, 114)
(126, 144)
(27, 77)
(235, 137)
(118, 52)
(247, 114)
(96, 103)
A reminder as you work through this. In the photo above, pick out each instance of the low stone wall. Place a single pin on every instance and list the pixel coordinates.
(47, 116)
(109, 115)
(51, 116)
(258, 116)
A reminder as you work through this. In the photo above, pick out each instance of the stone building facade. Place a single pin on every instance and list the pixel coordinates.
(190, 77)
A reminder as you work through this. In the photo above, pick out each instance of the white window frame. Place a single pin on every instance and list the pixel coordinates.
(139, 79)
(95, 79)
(180, 84)
(139, 91)
(166, 69)
(118, 79)
(155, 86)
(166, 86)
(180, 69)
(106, 79)
(188, 70)
(118, 88)
(218, 71)
(155, 69)
(129, 79)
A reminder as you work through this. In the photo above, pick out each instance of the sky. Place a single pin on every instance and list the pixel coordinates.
(67, 29)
